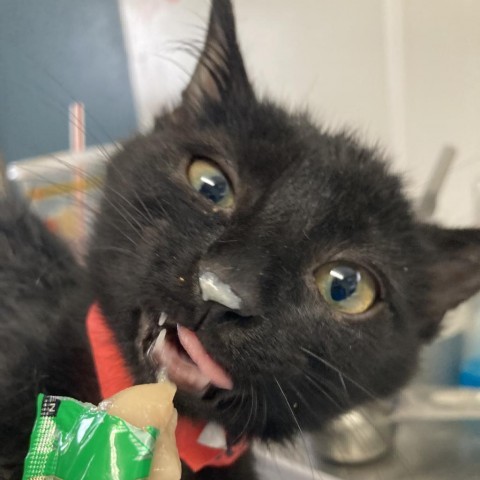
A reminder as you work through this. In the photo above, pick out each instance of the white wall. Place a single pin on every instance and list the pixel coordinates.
(403, 72)
(309, 53)
(306, 53)
(442, 52)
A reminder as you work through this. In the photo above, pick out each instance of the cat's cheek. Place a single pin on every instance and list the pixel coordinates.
(155, 235)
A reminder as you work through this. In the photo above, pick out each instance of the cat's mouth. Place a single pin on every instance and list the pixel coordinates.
(178, 354)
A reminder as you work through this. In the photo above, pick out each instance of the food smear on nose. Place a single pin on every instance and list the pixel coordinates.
(215, 290)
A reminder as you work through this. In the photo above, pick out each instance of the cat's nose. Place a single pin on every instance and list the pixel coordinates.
(224, 286)
(215, 290)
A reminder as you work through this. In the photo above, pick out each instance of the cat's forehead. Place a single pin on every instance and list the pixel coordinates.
(289, 176)
(291, 171)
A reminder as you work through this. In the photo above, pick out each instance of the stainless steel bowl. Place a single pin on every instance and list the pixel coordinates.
(358, 436)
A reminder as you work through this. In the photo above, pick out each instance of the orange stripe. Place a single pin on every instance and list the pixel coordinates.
(84, 184)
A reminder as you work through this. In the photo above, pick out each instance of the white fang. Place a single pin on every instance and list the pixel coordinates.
(162, 319)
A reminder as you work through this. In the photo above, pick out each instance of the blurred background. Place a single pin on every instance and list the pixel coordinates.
(78, 77)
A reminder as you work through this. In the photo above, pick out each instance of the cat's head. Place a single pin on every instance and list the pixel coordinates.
(289, 251)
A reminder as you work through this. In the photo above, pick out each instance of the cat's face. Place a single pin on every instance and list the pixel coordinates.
(290, 252)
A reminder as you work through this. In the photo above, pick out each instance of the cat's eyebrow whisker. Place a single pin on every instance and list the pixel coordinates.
(173, 47)
(195, 52)
(174, 62)
(213, 61)
(193, 44)
(212, 64)
(335, 369)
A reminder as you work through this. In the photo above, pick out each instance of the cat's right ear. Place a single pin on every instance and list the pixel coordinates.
(220, 73)
(452, 260)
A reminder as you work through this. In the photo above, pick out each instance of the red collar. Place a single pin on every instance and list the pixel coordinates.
(113, 376)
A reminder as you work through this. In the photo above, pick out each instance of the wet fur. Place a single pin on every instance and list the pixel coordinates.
(303, 196)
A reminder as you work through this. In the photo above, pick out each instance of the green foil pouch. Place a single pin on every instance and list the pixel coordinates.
(79, 441)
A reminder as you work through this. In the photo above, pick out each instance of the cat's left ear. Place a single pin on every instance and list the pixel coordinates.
(220, 72)
(453, 262)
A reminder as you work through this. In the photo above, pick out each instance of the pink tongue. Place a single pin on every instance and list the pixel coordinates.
(211, 369)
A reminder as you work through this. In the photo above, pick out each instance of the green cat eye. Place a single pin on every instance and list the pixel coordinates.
(208, 180)
(346, 287)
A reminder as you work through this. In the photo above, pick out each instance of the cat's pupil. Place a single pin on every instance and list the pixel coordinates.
(344, 283)
(214, 187)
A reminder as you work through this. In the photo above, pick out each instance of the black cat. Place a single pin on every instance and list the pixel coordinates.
(286, 252)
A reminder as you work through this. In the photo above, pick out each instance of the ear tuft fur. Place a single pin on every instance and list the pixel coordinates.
(220, 72)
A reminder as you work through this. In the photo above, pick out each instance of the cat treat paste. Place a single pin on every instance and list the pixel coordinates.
(130, 436)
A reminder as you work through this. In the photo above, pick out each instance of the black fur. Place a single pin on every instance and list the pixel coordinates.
(43, 302)
(303, 197)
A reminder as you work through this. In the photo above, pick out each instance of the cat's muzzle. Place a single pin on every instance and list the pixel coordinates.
(175, 352)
